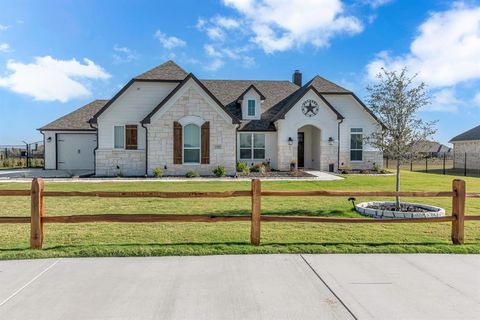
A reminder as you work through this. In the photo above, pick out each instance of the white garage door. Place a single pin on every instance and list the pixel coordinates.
(75, 150)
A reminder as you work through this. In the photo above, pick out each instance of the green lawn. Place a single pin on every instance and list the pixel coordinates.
(122, 239)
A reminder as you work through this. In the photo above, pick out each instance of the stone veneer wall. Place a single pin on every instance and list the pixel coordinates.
(129, 162)
(472, 151)
(222, 137)
(369, 158)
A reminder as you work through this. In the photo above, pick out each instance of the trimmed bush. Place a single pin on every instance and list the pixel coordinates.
(243, 167)
(192, 174)
(158, 172)
(219, 171)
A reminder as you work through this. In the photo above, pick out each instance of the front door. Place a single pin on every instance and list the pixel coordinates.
(301, 149)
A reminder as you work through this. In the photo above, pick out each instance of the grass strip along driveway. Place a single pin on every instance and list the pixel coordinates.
(145, 239)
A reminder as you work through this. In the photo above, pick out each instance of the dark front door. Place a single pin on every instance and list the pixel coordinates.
(301, 150)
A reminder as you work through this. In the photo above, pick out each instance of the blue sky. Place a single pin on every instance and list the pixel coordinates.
(56, 56)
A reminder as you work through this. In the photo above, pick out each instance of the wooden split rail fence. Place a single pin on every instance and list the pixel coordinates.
(38, 218)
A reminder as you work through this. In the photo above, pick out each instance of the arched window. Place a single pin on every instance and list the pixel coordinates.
(191, 143)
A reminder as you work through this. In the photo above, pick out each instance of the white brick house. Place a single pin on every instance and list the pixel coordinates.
(168, 119)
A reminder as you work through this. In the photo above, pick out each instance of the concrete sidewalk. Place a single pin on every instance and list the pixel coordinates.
(243, 287)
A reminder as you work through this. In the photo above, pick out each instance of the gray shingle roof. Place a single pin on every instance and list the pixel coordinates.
(166, 71)
(472, 134)
(228, 92)
(279, 96)
(78, 119)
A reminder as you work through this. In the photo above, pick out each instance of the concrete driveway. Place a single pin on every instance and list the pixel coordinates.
(243, 287)
(32, 173)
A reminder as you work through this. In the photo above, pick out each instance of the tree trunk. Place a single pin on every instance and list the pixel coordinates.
(397, 184)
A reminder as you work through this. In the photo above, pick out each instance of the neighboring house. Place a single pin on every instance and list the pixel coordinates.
(169, 119)
(433, 148)
(466, 147)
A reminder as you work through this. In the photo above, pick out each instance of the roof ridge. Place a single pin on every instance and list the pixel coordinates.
(179, 72)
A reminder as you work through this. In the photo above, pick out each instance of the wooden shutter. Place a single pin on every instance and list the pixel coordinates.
(131, 137)
(205, 145)
(177, 143)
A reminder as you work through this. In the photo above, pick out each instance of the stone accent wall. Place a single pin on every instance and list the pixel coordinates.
(472, 151)
(129, 162)
(286, 154)
(222, 137)
(369, 158)
(328, 155)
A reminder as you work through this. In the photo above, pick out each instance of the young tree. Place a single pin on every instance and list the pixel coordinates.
(396, 99)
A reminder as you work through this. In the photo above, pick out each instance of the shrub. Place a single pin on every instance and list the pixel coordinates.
(243, 167)
(158, 172)
(258, 167)
(376, 167)
(267, 166)
(219, 171)
(192, 174)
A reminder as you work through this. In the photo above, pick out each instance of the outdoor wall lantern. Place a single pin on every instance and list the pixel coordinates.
(290, 141)
(330, 141)
(49, 139)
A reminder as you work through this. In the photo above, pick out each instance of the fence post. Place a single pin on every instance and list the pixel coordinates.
(444, 158)
(458, 211)
(256, 212)
(37, 212)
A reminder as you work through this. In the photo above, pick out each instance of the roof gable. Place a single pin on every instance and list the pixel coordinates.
(299, 94)
(190, 76)
(77, 120)
(167, 71)
(472, 134)
(325, 86)
(252, 87)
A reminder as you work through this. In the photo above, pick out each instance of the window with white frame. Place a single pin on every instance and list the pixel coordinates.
(119, 137)
(252, 146)
(251, 108)
(191, 143)
(356, 144)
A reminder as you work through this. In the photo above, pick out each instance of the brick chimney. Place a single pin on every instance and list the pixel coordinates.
(297, 78)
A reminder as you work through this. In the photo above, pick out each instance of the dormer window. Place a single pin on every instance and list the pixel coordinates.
(251, 108)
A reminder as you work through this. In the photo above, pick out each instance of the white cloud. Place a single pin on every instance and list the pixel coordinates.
(376, 3)
(279, 25)
(49, 79)
(445, 52)
(219, 55)
(4, 47)
(124, 54)
(4, 27)
(444, 100)
(476, 99)
(169, 42)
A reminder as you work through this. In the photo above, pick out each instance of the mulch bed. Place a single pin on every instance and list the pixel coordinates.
(403, 208)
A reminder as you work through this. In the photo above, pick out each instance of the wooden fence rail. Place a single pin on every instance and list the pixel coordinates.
(38, 218)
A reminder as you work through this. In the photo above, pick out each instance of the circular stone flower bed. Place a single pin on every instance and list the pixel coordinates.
(388, 210)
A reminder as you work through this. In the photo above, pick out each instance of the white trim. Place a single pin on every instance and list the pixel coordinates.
(350, 145)
(199, 145)
(124, 135)
(252, 148)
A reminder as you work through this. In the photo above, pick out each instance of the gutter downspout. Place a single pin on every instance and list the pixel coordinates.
(146, 148)
(43, 134)
(338, 145)
(94, 150)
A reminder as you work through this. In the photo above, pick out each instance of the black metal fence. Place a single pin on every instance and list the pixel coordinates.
(28, 155)
(448, 163)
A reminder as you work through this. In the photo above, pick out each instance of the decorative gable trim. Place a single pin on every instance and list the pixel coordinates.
(281, 115)
(252, 87)
(190, 76)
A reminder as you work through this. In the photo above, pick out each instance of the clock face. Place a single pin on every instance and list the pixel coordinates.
(309, 108)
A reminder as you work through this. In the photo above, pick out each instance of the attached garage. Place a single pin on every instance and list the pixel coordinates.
(70, 141)
(75, 151)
